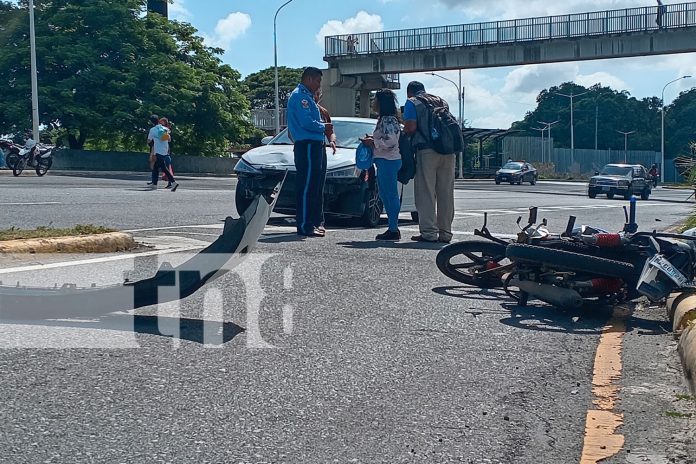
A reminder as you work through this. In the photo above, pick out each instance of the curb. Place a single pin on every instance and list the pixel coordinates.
(681, 310)
(101, 243)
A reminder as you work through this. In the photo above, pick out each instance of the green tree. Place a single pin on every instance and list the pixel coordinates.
(680, 125)
(261, 86)
(104, 67)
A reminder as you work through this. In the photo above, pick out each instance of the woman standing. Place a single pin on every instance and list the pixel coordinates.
(387, 158)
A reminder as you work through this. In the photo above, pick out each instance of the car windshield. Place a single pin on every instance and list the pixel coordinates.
(615, 171)
(513, 166)
(348, 133)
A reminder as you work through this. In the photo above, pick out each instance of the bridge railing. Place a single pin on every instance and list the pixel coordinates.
(515, 30)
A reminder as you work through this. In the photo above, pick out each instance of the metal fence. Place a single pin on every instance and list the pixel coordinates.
(515, 30)
(265, 119)
(582, 161)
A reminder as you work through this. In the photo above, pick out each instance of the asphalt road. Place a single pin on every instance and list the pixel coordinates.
(339, 349)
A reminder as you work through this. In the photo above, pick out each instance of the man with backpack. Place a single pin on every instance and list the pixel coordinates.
(436, 137)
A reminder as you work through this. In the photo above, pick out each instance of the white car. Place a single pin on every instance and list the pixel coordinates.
(348, 191)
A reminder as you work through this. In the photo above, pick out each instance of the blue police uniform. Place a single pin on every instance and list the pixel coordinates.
(307, 130)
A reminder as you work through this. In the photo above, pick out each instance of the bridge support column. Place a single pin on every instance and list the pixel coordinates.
(365, 104)
(340, 101)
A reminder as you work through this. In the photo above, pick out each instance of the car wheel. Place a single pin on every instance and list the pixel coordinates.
(519, 182)
(645, 194)
(592, 194)
(414, 215)
(610, 195)
(240, 200)
(497, 182)
(532, 181)
(512, 182)
(373, 209)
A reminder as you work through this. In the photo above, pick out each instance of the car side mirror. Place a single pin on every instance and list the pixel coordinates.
(596, 173)
(266, 140)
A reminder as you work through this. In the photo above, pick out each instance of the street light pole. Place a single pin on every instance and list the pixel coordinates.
(662, 137)
(572, 129)
(547, 127)
(625, 134)
(460, 100)
(275, 66)
(34, 79)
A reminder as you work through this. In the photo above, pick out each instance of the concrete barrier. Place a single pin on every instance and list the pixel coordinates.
(100, 243)
(681, 309)
(85, 160)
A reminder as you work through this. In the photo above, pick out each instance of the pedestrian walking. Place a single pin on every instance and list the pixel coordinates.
(168, 157)
(158, 138)
(387, 158)
(434, 181)
(661, 10)
(308, 132)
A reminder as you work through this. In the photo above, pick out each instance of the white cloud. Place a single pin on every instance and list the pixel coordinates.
(361, 22)
(228, 29)
(178, 11)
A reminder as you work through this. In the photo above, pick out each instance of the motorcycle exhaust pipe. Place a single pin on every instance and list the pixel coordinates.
(556, 296)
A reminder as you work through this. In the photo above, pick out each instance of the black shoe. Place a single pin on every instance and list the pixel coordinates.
(169, 185)
(389, 235)
(420, 238)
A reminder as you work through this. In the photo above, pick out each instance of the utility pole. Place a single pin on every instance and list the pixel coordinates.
(34, 78)
(547, 126)
(625, 134)
(572, 129)
(275, 66)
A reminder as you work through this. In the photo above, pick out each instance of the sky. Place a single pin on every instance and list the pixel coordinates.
(494, 97)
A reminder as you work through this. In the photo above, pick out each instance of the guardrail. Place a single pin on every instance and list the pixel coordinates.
(607, 22)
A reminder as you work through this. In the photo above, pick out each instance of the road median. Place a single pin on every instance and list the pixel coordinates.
(110, 242)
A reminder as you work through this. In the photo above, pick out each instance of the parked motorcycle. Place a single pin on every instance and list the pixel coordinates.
(582, 264)
(9, 151)
(38, 156)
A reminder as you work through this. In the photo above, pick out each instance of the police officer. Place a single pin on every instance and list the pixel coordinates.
(307, 131)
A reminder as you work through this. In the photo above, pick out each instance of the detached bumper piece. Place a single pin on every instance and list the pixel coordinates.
(239, 236)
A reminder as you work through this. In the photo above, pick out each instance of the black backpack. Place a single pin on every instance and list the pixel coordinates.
(444, 132)
(408, 160)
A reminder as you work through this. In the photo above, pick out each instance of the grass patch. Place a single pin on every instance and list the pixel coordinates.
(14, 233)
(679, 415)
(689, 224)
(683, 397)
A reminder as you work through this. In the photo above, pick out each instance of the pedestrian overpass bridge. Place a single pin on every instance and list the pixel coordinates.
(368, 61)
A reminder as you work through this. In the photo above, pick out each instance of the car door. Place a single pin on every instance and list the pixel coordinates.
(408, 197)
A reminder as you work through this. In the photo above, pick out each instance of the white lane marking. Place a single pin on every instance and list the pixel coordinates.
(32, 204)
(39, 267)
(200, 226)
(468, 234)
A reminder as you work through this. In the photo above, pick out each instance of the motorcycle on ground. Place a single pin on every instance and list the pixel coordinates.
(581, 265)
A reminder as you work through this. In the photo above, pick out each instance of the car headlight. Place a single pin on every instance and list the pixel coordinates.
(593, 181)
(246, 168)
(624, 183)
(497, 173)
(350, 171)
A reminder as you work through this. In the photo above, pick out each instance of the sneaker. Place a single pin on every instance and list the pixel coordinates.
(169, 185)
(175, 186)
(389, 235)
(152, 186)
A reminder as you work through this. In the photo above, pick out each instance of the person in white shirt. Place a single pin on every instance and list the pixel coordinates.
(158, 138)
(387, 158)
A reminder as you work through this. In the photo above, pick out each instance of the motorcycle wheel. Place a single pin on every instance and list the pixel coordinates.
(43, 165)
(569, 261)
(462, 261)
(19, 166)
(11, 160)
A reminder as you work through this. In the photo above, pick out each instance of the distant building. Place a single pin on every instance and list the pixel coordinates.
(158, 6)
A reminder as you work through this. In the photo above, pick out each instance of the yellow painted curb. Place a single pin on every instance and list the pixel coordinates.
(687, 352)
(100, 243)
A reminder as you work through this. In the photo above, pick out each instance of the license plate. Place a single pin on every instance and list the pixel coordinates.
(673, 273)
(605, 189)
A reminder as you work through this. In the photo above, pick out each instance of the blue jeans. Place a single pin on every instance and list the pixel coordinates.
(389, 189)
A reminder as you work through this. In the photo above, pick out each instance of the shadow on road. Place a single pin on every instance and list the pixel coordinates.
(375, 244)
(470, 293)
